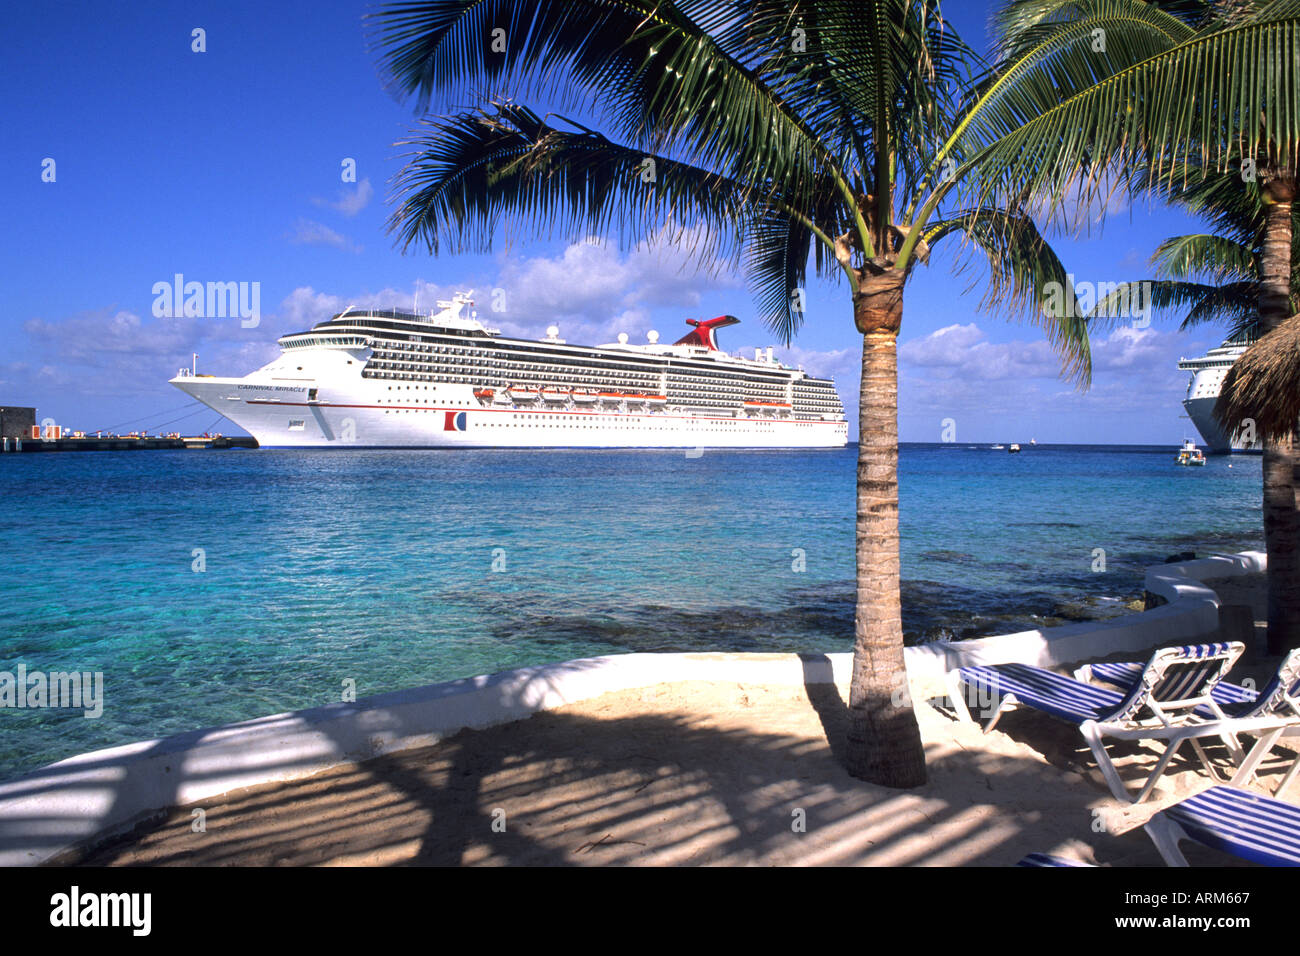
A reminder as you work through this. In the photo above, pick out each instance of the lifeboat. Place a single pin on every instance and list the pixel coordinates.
(585, 396)
(484, 394)
(766, 408)
(522, 394)
(554, 395)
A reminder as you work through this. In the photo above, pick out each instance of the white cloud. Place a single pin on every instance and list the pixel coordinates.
(350, 201)
(593, 292)
(962, 350)
(309, 233)
(304, 307)
(839, 364)
(958, 368)
(99, 338)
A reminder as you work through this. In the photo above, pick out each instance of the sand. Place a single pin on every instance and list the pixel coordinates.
(688, 774)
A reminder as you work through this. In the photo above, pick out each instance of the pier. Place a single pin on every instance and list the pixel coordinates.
(125, 443)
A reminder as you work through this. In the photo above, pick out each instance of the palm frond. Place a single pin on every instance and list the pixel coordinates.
(1214, 258)
(1224, 94)
(663, 78)
(473, 172)
(1025, 275)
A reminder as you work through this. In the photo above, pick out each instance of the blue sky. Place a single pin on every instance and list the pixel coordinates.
(226, 166)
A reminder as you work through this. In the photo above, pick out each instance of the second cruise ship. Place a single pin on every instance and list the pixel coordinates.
(1208, 372)
(382, 378)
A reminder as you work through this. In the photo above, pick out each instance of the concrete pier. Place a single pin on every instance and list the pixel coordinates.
(127, 444)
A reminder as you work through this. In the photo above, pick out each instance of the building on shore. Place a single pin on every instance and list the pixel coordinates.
(16, 421)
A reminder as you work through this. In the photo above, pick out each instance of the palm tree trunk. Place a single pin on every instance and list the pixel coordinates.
(1281, 519)
(884, 741)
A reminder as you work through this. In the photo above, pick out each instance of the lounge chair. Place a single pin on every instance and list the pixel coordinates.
(1279, 698)
(1049, 859)
(1248, 825)
(1167, 703)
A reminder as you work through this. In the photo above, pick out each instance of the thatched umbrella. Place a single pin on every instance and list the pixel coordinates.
(1264, 385)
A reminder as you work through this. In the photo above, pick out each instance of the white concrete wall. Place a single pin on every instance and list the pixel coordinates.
(59, 806)
(1191, 616)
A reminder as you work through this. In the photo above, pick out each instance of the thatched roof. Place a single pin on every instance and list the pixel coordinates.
(1264, 385)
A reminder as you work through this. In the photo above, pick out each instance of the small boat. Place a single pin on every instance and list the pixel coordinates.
(521, 394)
(999, 447)
(584, 396)
(1013, 448)
(484, 394)
(1189, 454)
(554, 395)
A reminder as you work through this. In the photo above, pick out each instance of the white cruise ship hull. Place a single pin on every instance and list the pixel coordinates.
(1208, 372)
(387, 379)
(1216, 441)
(282, 416)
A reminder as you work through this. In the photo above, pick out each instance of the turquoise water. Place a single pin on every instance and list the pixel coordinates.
(321, 566)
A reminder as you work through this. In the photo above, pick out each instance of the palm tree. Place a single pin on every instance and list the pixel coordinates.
(1216, 278)
(1211, 277)
(1148, 92)
(825, 132)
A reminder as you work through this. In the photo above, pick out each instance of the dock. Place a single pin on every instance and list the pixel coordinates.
(125, 443)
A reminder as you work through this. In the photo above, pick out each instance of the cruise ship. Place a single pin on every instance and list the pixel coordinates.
(382, 378)
(1208, 372)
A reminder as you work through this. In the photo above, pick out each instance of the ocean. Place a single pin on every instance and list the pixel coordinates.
(214, 586)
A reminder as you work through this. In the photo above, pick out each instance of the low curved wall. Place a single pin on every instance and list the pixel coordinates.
(58, 807)
(1191, 615)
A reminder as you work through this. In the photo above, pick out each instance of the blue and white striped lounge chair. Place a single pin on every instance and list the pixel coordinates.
(1280, 698)
(1161, 705)
(1050, 860)
(1248, 825)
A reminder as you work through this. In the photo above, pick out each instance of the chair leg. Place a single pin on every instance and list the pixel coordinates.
(1090, 733)
(1161, 764)
(1165, 835)
(1234, 746)
(1257, 753)
(1006, 704)
(1290, 775)
(957, 694)
(1209, 767)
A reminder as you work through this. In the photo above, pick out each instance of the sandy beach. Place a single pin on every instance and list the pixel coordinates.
(697, 774)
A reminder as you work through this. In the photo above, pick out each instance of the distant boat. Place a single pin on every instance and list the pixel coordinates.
(1013, 448)
(999, 447)
(1189, 454)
